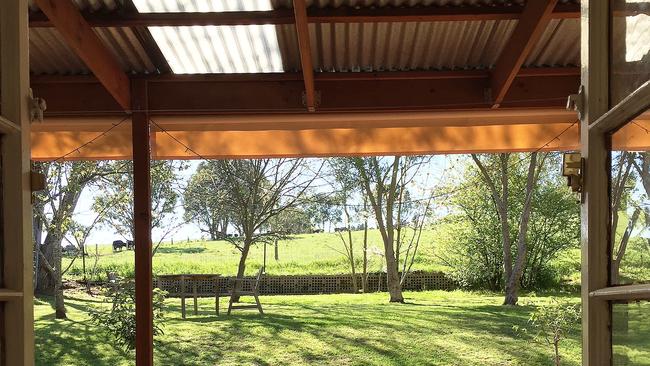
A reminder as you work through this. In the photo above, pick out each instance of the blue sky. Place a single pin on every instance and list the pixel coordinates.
(441, 169)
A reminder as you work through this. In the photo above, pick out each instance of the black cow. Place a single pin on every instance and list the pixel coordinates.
(340, 229)
(118, 245)
(317, 231)
(130, 245)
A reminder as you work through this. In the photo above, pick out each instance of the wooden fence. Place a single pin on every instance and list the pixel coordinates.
(309, 284)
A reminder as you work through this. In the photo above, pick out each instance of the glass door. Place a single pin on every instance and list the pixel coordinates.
(615, 141)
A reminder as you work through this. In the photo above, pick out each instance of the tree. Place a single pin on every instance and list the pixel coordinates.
(117, 199)
(322, 208)
(293, 220)
(53, 212)
(500, 194)
(383, 179)
(204, 200)
(345, 185)
(257, 191)
(470, 239)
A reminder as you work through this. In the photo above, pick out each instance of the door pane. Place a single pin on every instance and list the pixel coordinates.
(631, 334)
(630, 203)
(630, 47)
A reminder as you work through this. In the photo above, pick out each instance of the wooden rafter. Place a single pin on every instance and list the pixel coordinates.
(315, 15)
(302, 31)
(78, 34)
(148, 42)
(529, 29)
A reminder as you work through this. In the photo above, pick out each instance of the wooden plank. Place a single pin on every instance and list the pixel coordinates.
(10, 295)
(534, 19)
(628, 292)
(148, 42)
(595, 231)
(626, 110)
(17, 246)
(78, 34)
(142, 214)
(302, 31)
(6, 126)
(316, 15)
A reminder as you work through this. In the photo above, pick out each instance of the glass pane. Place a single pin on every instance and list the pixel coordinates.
(630, 47)
(630, 334)
(630, 202)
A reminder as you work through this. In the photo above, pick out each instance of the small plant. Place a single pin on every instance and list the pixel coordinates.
(118, 319)
(551, 323)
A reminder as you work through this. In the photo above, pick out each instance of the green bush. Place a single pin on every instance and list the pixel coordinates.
(118, 318)
(550, 323)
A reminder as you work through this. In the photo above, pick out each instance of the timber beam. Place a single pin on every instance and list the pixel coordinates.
(302, 31)
(79, 35)
(534, 19)
(282, 93)
(315, 15)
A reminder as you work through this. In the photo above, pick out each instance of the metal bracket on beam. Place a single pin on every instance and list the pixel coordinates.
(576, 102)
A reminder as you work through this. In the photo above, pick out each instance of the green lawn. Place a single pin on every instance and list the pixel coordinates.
(433, 328)
(302, 254)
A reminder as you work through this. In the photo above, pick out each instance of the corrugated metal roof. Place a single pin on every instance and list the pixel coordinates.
(220, 49)
(51, 55)
(87, 5)
(434, 45)
(335, 47)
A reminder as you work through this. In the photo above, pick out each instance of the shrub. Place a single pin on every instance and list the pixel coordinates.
(551, 323)
(118, 318)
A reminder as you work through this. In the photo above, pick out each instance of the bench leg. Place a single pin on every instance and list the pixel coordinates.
(259, 306)
(183, 306)
(216, 304)
(196, 306)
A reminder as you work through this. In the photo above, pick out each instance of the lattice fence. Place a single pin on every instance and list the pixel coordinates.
(303, 284)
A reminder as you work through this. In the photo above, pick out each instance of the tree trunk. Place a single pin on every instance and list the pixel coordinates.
(512, 293)
(277, 253)
(620, 254)
(46, 281)
(59, 302)
(392, 276)
(364, 279)
(241, 269)
(355, 287)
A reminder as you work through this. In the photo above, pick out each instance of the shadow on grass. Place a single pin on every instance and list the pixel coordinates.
(180, 250)
(306, 332)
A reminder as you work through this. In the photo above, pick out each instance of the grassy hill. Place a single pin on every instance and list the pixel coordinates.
(301, 254)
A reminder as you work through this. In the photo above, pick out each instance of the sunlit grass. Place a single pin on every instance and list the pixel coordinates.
(301, 254)
(433, 328)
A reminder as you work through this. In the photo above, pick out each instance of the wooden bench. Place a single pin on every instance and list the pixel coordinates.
(246, 287)
(192, 286)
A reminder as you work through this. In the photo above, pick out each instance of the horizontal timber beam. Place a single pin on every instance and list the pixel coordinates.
(328, 134)
(314, 134)
(315, 15)
(282, 93)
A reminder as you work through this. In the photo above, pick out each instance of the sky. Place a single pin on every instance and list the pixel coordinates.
(440, 170)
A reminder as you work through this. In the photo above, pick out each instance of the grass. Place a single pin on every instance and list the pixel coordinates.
(301, 254)
(433, 328)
